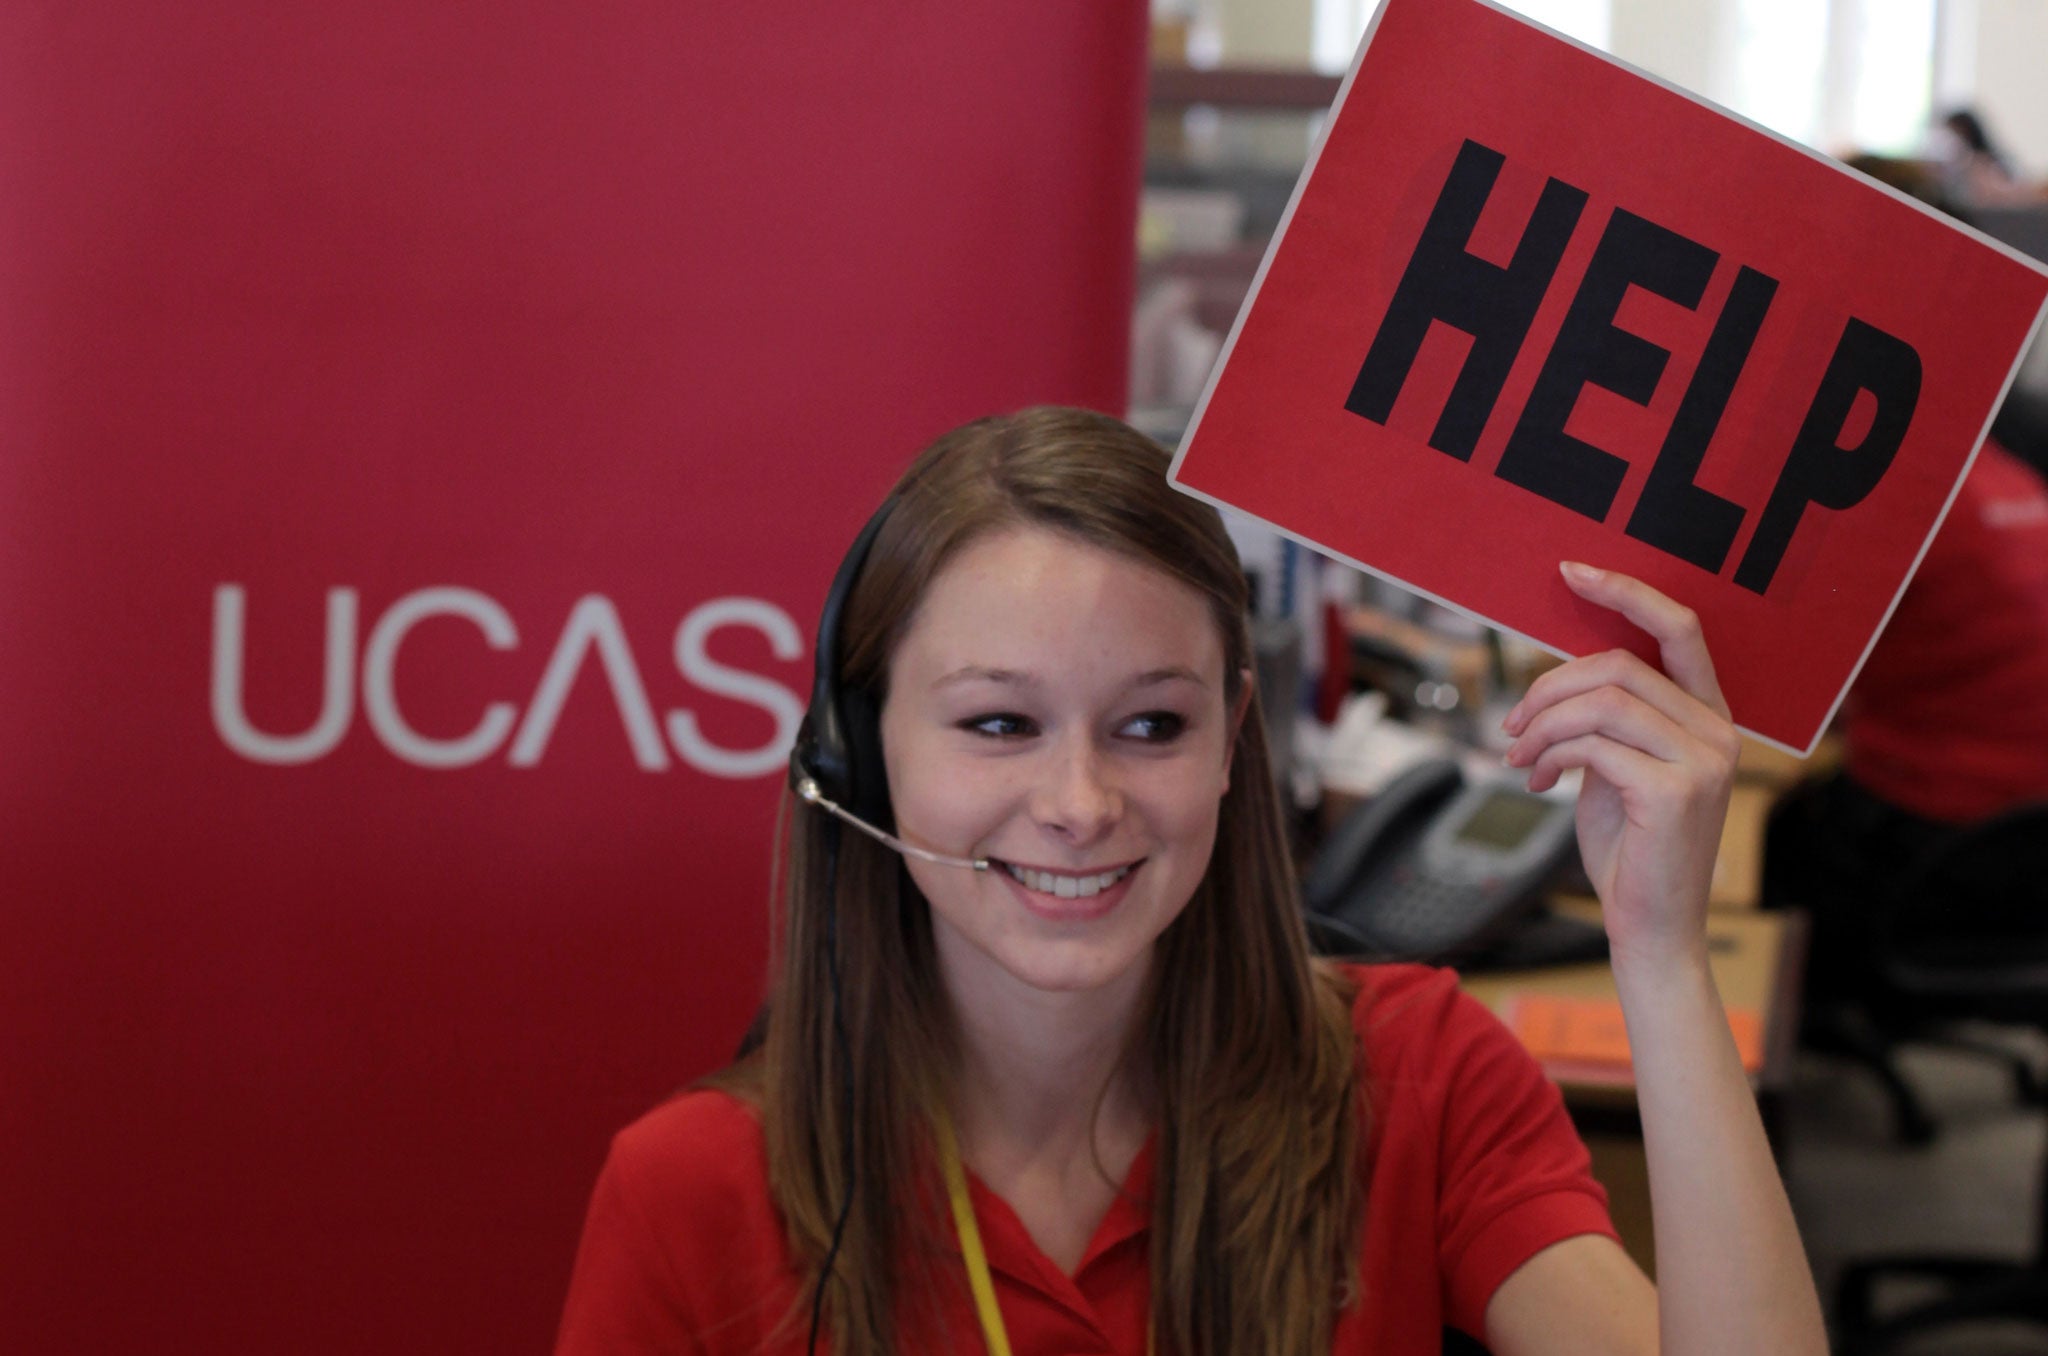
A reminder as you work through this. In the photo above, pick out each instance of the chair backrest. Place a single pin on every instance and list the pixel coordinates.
(1969, 921)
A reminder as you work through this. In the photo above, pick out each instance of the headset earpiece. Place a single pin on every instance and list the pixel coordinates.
(861, 721)
(839, 744)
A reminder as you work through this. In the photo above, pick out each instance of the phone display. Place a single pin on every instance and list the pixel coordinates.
(1503, 820)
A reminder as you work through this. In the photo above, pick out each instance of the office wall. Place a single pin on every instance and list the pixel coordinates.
(426, 432)
(1272, 33)
(2012, 35)
(1684, 41)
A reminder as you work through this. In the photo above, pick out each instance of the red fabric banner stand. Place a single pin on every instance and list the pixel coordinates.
(425, 435)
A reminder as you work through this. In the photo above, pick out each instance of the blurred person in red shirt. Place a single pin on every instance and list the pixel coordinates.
(1945, 727)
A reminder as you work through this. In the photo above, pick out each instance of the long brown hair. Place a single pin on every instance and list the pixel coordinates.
(1248, 1045)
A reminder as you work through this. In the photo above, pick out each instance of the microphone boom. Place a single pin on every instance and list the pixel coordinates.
(807, 791)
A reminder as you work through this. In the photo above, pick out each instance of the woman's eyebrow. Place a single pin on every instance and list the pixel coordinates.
(980, 673)
(1176, 674)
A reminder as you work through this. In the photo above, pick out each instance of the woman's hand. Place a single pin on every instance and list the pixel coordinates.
(1658, 754)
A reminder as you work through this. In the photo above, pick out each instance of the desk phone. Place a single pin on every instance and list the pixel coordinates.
(1435, 868)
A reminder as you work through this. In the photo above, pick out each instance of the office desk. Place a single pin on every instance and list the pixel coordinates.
(1739, 861)
(1764, 765)
(1756, 958)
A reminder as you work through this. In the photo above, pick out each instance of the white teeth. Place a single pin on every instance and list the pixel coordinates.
(1066, 887)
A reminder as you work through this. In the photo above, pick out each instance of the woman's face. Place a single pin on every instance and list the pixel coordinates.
(1060, 710)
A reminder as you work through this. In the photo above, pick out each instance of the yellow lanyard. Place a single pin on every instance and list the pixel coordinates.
(971, 1252)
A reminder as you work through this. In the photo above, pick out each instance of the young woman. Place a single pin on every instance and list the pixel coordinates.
(1097, 1096)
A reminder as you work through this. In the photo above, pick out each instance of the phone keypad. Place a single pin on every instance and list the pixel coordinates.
(1418, 916)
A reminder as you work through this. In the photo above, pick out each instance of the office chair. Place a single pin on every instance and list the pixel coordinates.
(1852, 1029)
(1964, 935)
(1829, 831)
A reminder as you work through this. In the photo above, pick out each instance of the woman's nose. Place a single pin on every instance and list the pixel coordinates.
(1077, 797)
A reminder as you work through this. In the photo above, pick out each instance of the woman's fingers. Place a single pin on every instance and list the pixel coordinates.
(1658, 754)
(1610, 710)
(1620, 671)
(1594, 710)
(1674, 626)
(1619, 765)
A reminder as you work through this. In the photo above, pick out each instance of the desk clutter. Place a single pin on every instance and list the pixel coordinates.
(1427, 849)
(1585, 1039)
(1424, 847)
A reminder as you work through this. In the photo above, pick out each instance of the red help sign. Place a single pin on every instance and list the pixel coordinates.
(1529, 305)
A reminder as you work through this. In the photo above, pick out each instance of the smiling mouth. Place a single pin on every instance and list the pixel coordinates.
(1063, 886)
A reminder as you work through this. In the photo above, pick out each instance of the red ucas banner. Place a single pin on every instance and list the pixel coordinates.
(426, 435)
(1528, 305)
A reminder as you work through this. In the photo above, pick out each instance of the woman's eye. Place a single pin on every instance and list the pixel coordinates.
(1156, 727)
(1000, 725)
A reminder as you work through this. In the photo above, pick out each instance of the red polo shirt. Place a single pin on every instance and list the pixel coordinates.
(1472, 1168)
(1948, 719)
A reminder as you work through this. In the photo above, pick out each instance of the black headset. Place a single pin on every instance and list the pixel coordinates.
(839, 745)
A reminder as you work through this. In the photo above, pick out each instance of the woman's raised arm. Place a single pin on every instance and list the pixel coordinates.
(1658, 757)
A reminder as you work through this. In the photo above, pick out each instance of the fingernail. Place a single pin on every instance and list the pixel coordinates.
(1583, 574)
(1512, 720)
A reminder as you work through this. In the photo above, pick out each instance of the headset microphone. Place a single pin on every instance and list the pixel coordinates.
(808, 792)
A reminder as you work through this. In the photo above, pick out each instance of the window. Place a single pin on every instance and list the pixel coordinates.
(1340, 23)
(1893, 76)
(1780, 60)
(1836, 74)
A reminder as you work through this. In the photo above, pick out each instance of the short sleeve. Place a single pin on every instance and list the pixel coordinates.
(623, 1295)
(1473, 1167)
(682, 1250)
(1516, 1177)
